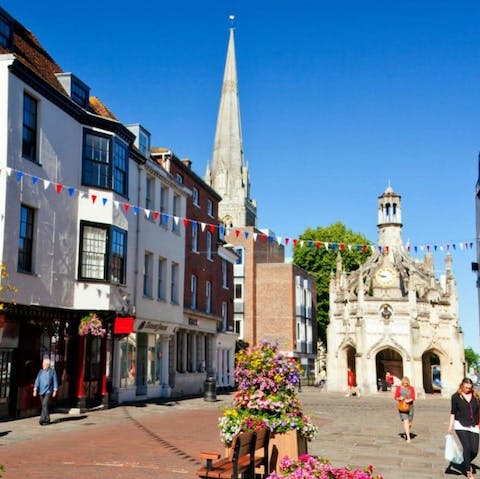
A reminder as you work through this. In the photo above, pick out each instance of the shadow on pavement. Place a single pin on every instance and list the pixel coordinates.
(69, 418)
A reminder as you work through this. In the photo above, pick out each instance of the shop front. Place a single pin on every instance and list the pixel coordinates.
(141, 359)
(27, 335)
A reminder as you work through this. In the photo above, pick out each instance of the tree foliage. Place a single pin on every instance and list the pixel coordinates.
(472, 358)
(321, 262)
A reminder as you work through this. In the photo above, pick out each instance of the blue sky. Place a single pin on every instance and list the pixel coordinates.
(337, 99)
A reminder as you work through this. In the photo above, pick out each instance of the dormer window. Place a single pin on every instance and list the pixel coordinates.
(142, 138)
(5, 33)
(75, 88)
(79, 94)
(143, 143)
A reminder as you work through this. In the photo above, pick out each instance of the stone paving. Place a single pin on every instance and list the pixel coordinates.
(162, 440)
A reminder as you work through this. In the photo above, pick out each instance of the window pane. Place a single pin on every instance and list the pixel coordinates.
(96, 161)
(29, 132)
(25, 240)
(128, 354)
(118, 255)
(161, 278)
(4, 33)
(94, 252)
(147, 274)
(120, 169)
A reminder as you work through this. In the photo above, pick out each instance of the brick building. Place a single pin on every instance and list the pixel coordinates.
(273, 300)
(207, 331)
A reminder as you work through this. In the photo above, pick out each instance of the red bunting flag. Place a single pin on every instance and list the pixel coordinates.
(211, 228)
(342, 246)
(364, 248)
(58, 187)
(126, 207)
(318, 244)
(94, 198)
(263, 237)
(387, 248)
(185, 222)
(156, 215)
(287, 240)
(237, 233)
(295, 241)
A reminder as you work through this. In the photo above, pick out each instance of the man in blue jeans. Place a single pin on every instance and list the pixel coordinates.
(46, 385)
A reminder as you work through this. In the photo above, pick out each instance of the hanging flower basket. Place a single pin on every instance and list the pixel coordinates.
(91, 324)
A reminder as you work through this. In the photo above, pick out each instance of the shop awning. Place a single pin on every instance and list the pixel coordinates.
(123, 325)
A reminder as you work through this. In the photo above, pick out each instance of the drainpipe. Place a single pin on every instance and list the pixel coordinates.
(137, 233)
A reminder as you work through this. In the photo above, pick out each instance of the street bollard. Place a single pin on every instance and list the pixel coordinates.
(210, 389)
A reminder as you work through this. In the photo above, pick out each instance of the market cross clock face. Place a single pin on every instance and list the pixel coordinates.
(385, 276)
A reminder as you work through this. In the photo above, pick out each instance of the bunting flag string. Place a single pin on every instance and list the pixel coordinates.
(446, 247)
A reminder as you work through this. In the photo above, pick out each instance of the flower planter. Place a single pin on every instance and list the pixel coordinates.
(290, 443)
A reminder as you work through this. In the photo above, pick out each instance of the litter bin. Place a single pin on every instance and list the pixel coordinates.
(210, 389)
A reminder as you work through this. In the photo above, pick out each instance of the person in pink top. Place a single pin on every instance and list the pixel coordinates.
(405, 391)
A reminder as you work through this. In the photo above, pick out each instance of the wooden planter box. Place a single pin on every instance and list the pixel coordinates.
(290, 443)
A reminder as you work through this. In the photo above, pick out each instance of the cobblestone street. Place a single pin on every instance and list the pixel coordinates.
(162, 441)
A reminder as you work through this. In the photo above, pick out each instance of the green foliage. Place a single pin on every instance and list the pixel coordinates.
(321, 262)
(472, 358)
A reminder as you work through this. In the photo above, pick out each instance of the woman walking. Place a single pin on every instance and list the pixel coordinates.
(405, 393)
(464, 416)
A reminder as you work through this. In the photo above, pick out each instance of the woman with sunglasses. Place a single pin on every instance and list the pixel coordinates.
(464, 418)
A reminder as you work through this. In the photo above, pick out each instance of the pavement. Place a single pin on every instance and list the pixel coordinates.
(162, 440)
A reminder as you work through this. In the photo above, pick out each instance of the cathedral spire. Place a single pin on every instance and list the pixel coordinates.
(227, 172)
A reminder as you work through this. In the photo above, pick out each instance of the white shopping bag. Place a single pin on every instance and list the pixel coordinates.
(453, 450)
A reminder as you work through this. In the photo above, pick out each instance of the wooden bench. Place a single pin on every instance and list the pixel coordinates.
(261, 459)
(249, 451)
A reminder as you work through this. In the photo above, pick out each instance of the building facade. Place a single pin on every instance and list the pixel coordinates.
(81, 233)
(206, 340)
(273, 300)
(394, 314)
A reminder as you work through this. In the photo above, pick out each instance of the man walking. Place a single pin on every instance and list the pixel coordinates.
(46, 385)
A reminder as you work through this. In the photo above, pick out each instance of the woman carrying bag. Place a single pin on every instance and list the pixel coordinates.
(464, 417)
(405, 396)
